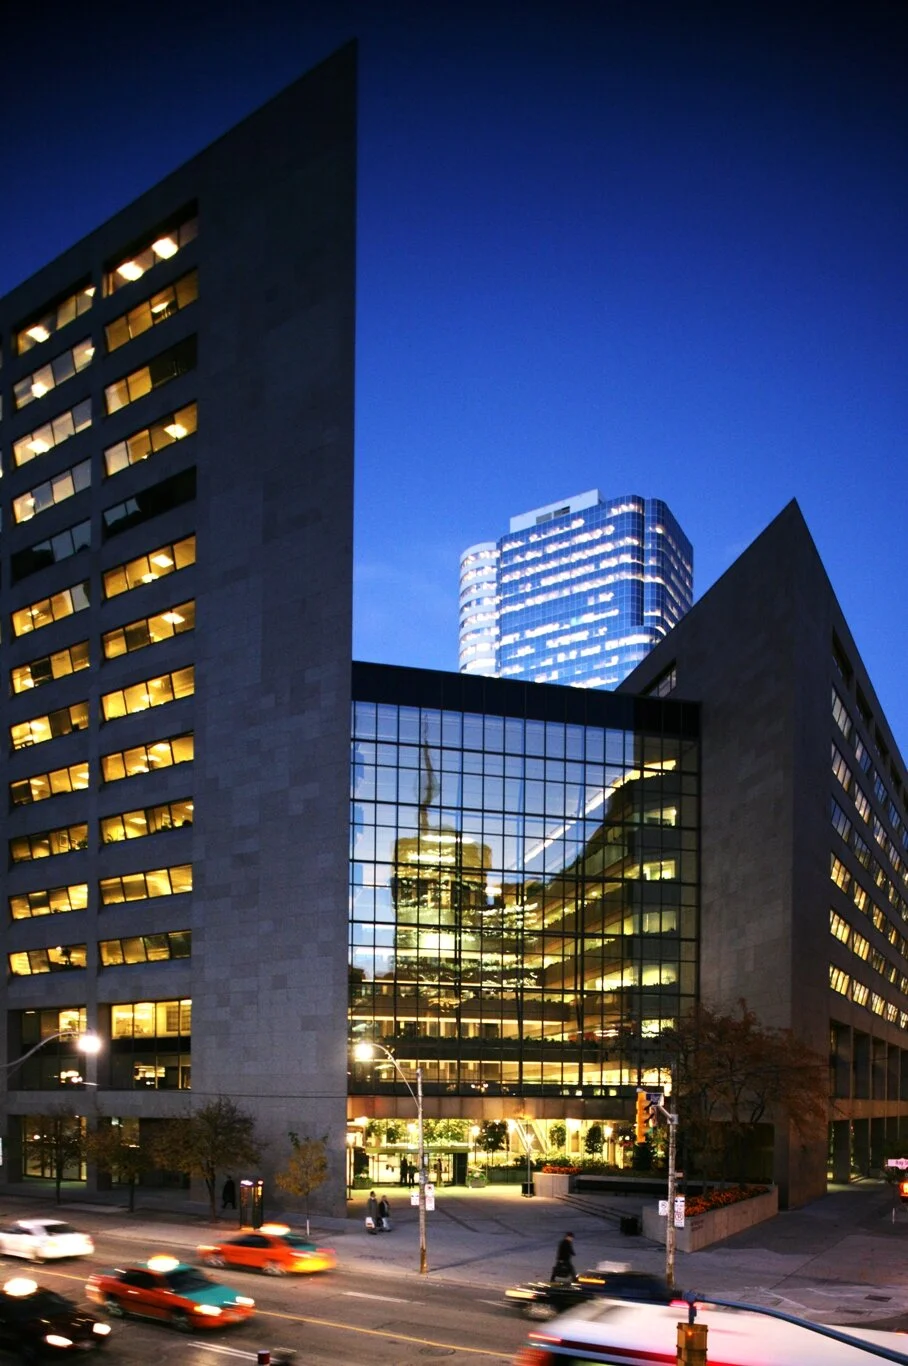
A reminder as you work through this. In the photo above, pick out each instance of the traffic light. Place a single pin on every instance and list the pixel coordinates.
(643, 1113)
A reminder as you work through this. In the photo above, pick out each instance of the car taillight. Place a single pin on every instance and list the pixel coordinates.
(534, 1356)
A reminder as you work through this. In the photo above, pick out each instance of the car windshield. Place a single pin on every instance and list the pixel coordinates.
(54, 1230)
(294, 1240)
(186, 1280)
(44, 1304)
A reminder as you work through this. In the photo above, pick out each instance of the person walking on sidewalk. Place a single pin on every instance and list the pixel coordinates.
(564, 1269)
(228, 1194)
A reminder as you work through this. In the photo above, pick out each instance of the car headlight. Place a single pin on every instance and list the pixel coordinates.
(212, 1309)
(520, 1294)
(57, 1340)
(244, 1299)
(102, 1329)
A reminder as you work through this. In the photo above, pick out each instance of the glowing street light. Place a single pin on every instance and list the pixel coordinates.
(87, 1043)
(365, 1052)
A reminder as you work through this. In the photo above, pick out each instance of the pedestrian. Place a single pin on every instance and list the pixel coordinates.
(228, 1194)
(411, 1174)
(564, 1269)
(384, 1215)
(404, 1171)
(372, 1209)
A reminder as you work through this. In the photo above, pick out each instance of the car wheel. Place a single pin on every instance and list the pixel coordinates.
(180, 1321)
(540, 1310)
(114, 1308)
(214, 1260)
(36, 1255)
(273, 1269)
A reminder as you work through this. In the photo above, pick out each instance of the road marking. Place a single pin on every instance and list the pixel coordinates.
(384, 1299)
(225, 1351)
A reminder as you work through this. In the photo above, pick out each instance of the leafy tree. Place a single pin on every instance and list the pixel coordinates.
(63, 1141)
(114, 1149)
(445, 1130)
(558, 1136)
(493, 1135)
(594, 1141)
(306, 1170)
(733, 1074)
(217, 1137)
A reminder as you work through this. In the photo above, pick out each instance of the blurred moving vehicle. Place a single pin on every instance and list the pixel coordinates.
(614, 1281)
(273, 1248)
(37, 1324)
(167, 1289)
(43, 1239)
(622, 1334)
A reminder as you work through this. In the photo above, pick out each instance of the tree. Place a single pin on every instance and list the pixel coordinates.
(113, 1148)
(306, 1170)
(732, 1074)
(594, 1141)
(63, 1141)
(215, 1138)
(493, 1134)
(558, 1136)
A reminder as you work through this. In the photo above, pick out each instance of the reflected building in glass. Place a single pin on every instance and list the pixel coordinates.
(578, 592)
(524, 892)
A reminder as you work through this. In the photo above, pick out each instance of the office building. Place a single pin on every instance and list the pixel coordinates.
(577, 592)
(177, 449)
(804, 839)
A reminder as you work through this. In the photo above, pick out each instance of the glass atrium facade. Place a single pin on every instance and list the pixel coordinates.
(584, 589)
(523, 888)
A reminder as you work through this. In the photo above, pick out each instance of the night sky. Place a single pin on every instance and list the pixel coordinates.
(653, 248)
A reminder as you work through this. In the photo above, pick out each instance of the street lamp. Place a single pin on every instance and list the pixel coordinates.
(364, 1052)
(526, 1136)
(87, 1043)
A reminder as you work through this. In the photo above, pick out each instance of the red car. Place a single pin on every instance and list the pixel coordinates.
(167, 1289)
(272, 1249)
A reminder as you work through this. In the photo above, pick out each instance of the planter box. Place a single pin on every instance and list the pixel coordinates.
(552, 1184)
(704, 1229)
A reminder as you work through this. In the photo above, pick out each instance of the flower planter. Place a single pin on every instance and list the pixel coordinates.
(701, 1230)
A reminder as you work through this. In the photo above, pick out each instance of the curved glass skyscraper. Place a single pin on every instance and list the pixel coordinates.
(577, 592)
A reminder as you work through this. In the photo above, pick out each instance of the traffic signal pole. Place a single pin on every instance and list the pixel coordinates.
(670, 1221)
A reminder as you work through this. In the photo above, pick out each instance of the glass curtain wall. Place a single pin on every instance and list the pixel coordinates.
(523, 915)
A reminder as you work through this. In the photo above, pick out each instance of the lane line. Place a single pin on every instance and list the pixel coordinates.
(383, 1299)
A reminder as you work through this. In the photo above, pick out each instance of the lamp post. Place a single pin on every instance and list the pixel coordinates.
(364, 1052)
(87, 1043)
(526, 1137)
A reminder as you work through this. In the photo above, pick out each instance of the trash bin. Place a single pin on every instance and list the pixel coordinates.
(528, 1188)
(630, 1224)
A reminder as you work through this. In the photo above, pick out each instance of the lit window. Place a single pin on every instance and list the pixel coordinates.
(161, 247)
(52, 319)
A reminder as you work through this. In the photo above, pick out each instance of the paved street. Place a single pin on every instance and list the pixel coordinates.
(842, 1259)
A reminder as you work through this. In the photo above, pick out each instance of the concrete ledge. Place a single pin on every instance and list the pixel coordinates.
(704, 1229)
(552, 1184)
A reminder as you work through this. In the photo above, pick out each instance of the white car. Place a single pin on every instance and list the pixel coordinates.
(43, 1239)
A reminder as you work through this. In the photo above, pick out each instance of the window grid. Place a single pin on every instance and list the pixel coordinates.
(60, 664)
(155, 437)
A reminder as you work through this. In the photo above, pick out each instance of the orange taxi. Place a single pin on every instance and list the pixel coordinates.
(272, 1249)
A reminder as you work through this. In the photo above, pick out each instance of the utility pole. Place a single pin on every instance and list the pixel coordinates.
(672, 1121)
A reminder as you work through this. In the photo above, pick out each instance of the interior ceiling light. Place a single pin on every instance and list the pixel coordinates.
(163, 561)
(38, 333)
(176, 430)
(38, 446)
(130, 270)
(174, 618)
(165, 247)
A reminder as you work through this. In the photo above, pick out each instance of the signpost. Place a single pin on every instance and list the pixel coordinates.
(674, 1205)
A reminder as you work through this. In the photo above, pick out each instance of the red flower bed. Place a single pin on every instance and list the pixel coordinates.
(718, 1199)
(561, 1171)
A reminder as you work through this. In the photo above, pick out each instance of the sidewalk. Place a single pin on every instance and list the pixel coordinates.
(841, 1259)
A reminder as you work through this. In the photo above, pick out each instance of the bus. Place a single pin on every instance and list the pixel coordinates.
(646, 1335)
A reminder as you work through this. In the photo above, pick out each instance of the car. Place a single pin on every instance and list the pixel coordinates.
(40, 1240)
(273, 1248)
(618, 1334)
(37, 1324)
(545, 1299)
(167, 1289)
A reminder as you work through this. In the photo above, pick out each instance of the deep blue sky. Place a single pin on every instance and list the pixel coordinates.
(645, 247)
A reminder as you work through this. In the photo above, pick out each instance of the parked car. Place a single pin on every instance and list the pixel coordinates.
(545, 1299)
(273, 1249)
(167, 1289)
(40, 1240)
(37, 1324)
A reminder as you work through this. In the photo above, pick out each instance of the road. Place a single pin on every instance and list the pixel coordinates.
(338, 1318)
